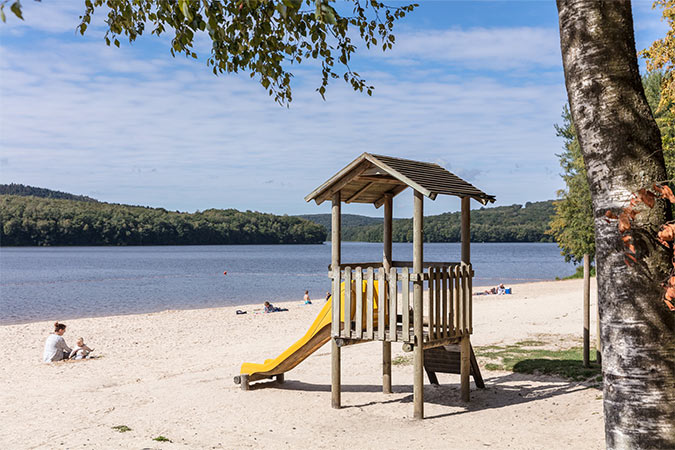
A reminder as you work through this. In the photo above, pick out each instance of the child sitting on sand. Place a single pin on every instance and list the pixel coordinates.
(81, 351)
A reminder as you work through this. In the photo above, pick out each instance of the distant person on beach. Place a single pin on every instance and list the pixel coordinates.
(501, 290)
(307, 300)
(270, 308)
(327, 296)
(81, 351)
(56, 348)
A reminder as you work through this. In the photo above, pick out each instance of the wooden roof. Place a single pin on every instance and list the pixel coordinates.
(369, 177)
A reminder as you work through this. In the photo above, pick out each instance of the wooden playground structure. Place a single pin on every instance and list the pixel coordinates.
(435, 323)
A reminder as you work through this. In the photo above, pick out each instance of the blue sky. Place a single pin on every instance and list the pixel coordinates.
(474, 86)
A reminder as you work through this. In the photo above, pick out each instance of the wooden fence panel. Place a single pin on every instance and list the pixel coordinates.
(437, 304)
(381, 303)
(346, 331)
(335, 296)
(405, 303)
(369, 303)
(393, 300)
(444, 301)
(358, 316)
(430, 302)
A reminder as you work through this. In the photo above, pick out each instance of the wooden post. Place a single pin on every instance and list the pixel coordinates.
(386, 264)
(465, 367)
(465, 343)
(587, 309)
(418, 264)
(335, 266)
(243, 384)
(466, 230)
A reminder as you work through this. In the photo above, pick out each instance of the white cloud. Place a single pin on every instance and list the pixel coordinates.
(498, 49)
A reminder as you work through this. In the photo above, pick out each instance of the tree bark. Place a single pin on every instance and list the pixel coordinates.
(621, 145)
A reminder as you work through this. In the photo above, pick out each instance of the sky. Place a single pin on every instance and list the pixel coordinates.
(473, 86)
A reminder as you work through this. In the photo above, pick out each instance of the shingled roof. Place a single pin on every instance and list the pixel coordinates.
(369, 177)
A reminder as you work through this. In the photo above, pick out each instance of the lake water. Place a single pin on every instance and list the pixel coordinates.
(60, 283)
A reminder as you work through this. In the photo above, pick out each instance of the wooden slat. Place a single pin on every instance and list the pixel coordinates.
(346, 331)
(369, 303)
(405, 303)
(381, 303)
(470, 297)
(437, 305)
(430, 303)
(458, 311)
(444, 300)
(393, 299)
(336, 297)
(465, 297)
(451, 300)
(358, 316)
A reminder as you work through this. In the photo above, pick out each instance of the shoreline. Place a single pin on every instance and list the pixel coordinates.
(251, 306)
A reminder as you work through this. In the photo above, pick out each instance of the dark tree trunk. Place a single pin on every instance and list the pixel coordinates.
(621, 146)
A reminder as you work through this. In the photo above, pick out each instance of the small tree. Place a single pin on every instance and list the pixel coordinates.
(572, 225)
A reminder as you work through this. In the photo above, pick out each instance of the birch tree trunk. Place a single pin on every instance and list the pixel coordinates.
(621, 146)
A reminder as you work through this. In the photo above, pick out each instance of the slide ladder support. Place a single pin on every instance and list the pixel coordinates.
(447, 359)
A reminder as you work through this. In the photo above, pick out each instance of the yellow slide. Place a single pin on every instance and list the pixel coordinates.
(317, 335)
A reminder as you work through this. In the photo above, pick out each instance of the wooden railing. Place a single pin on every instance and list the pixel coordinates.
(379, 305)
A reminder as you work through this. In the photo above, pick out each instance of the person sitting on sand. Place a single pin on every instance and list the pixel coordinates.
(81, 351)
(56, 348)
(327, 296)
(307, 300)
(501, 290)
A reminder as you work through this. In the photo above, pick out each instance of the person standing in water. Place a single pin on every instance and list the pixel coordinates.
(56, 348)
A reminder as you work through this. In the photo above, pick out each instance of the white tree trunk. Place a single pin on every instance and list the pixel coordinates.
(621, 145)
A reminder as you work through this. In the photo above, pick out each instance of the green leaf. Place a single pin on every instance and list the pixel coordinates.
(2, 13)
(16, 9)
(295, 4)
(185, 9)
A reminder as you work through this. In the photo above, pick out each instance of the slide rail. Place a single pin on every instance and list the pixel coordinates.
(383, 308)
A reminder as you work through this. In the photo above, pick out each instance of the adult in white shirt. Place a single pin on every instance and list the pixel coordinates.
(56, 348)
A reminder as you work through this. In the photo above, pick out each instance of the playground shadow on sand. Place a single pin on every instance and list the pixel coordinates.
(500, 391)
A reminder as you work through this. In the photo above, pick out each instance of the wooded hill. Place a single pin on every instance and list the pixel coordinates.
(22, 189)
(30, 220)
(515, 223)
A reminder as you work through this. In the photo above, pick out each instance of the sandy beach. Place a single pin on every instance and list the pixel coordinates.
(170, 374)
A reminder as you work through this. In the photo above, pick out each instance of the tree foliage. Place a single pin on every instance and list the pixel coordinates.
(22, 189)
(263, 38)
(660, 56)
(572, 225)
(513, 223)
(45, 221)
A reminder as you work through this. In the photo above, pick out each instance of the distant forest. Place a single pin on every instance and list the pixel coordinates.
(515, 223)
(37, 216)
(22, 189)
(27, 220)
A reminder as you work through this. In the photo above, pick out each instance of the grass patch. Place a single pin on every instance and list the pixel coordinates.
(530, 343)
(121, 428)
(161, 438)
(402, 360)
(579, 273)
(565, 363)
